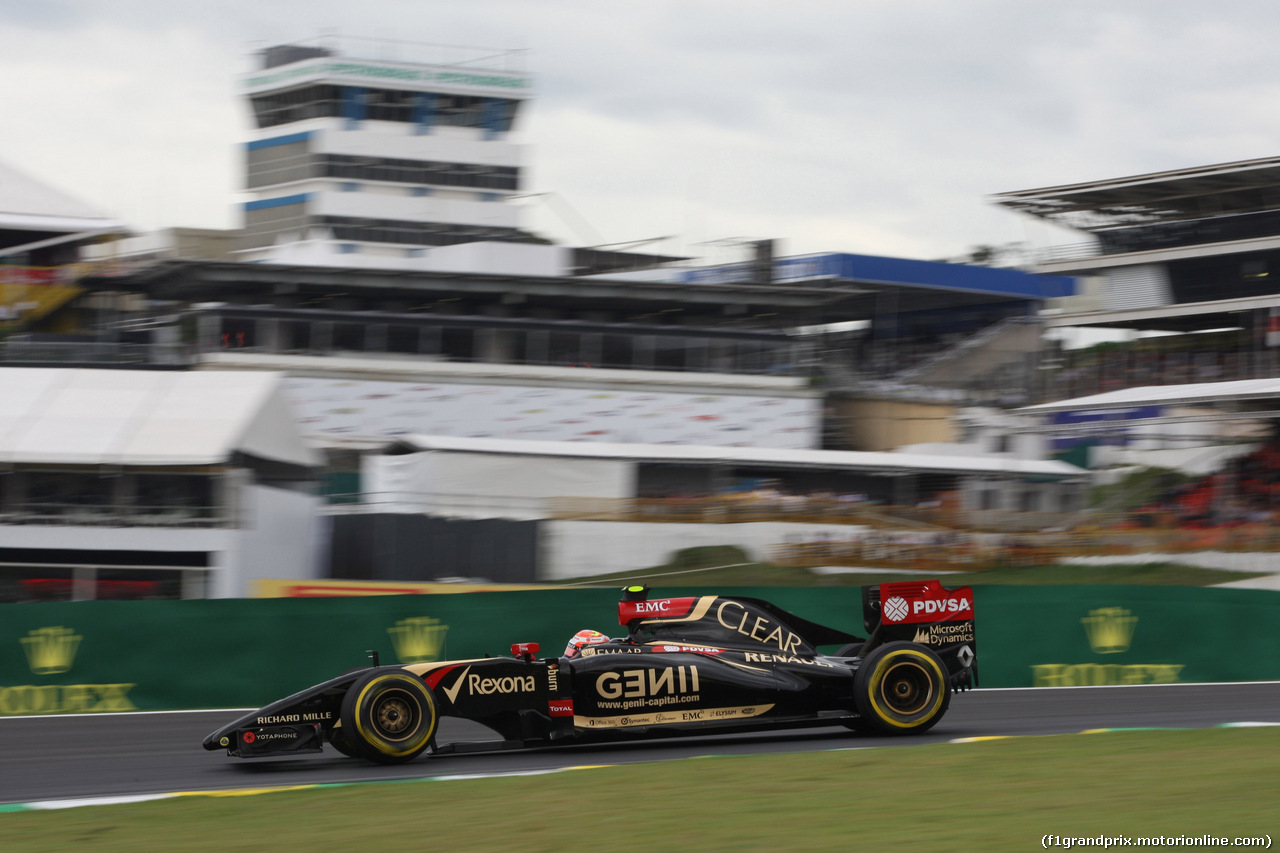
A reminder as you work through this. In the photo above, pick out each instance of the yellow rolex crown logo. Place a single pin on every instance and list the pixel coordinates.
(51, 650)
(1110, 629)
(418, 639)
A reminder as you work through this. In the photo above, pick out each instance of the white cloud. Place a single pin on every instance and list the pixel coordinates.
(872, 126)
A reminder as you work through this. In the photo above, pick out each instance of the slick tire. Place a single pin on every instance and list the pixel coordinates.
(901, 688)
(388, 716)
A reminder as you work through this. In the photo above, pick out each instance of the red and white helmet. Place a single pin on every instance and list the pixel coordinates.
(585, 637)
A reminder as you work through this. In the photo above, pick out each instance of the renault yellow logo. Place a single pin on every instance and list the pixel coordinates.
(1110, 629)
(51, 650)
(418, 639)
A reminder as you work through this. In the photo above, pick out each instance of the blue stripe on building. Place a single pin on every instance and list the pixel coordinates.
(282, 201)
(278, 140)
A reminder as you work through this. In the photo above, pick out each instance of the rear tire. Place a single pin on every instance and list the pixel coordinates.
(388, 716)
(901, 688)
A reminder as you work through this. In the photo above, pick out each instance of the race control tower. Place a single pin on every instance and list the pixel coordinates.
(385, 156)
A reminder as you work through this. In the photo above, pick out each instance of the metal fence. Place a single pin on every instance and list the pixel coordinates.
(116, 515)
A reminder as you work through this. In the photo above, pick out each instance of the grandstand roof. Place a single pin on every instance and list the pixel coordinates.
(63, 416)
(1245, 186)
(889, 463)
(1200, 393)
(1182, 317)
(27, 204)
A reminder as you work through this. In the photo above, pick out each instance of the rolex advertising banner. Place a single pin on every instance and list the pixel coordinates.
(147, 655)
(1069, 636)
(151, 655)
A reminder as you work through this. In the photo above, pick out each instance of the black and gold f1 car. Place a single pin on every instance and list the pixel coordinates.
(695, 665)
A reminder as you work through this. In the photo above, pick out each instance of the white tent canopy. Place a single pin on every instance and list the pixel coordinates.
(1199, 393)
(843, 460)
(64, 416)
(29, 205)
(485, 477)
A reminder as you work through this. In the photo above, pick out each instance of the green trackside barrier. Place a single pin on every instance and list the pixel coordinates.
(1068, 636)
(122, 656)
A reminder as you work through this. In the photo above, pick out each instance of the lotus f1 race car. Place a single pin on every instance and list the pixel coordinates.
(704, 664)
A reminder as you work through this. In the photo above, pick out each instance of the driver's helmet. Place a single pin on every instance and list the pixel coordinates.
(585, 637)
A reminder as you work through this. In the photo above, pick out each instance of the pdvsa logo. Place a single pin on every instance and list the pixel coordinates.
(896, 609)
(931, 607)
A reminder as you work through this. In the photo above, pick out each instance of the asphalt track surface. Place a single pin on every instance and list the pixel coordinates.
(109, 755)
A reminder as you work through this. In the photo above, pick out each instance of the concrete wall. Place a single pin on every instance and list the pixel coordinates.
(575, 549)
(879, 425)
(280, 539)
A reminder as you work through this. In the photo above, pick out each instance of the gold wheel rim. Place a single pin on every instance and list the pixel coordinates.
(906, 688)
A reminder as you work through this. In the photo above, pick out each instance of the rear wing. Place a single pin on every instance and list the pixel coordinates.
(927, 613)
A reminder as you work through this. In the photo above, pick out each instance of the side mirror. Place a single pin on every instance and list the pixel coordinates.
(524, 650)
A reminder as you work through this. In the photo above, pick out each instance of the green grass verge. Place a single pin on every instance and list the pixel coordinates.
(728, 566)
(993, 795)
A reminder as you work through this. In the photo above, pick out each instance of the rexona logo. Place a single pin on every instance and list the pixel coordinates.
(479, 685)
(418, 640)
(1109, 630)
(52, 651)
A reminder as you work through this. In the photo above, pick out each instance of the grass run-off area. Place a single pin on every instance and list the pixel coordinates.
(728, 566)
(984, 795)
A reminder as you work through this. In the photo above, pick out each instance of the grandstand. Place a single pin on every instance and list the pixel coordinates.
(41, 233)
(382, 275)
(1185, 262)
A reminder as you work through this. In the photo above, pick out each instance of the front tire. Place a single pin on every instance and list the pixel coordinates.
(389, 716)
(901, 688)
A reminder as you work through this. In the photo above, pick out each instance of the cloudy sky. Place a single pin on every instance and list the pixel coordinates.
(870, 126)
